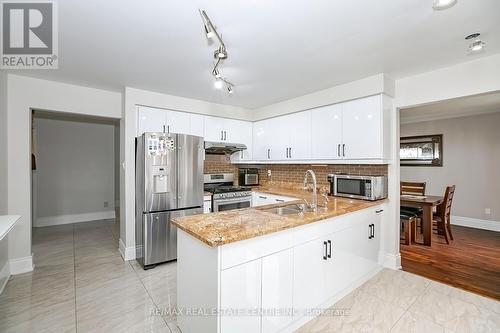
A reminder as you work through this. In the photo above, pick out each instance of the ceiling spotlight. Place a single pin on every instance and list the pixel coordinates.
(220, 53)
(216, 73)
(443, 4)
(477, 44)
(218, 84)
(229, 89)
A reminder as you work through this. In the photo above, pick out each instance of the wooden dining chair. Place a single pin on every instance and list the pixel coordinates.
(413, 188)
(442, 217)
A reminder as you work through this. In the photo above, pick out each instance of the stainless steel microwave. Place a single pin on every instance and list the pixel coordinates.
(358, 187)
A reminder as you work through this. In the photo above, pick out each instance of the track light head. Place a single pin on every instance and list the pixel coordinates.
(216, 73)
(218, 84)
(220, 53)
(230, 89)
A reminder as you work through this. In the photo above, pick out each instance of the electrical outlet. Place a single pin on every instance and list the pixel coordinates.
(269, 173)
(487, 211)
(106, 204)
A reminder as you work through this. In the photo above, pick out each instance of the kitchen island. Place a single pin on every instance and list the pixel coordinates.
(272, 268)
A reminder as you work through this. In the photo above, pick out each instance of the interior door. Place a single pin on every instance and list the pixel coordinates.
(362, 128)
(326, 136)
(190, 152)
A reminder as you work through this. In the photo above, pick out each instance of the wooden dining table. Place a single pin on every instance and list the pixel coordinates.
(427, 204)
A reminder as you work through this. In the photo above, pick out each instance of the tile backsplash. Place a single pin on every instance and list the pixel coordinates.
(292, 173)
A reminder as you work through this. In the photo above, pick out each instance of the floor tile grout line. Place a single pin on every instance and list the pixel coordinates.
(147, 292)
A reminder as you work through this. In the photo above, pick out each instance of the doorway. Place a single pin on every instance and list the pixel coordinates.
(75, 176)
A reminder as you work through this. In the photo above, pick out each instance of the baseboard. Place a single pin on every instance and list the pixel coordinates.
(392, 261)
(475, 223)
(127, 253)
(74, 218)
(21, 265)
(4, 276)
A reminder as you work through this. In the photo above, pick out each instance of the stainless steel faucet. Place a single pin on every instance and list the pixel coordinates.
(314, 205)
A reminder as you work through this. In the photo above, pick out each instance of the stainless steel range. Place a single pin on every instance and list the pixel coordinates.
(225, 195)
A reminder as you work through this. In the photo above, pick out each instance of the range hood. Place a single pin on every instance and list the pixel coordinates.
(223, 148)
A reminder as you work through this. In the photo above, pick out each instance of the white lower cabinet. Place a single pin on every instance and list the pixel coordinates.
(261, 198)
(309, 280)
(277, 291)
(255, 283)
(240, 298)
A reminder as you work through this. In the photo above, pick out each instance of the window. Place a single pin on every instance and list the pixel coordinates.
(425, 150)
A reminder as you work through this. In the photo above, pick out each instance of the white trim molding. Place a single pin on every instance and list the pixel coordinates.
(74, 218)
(392, 261)
(21, 265)
(4, 276)
(475, 223)
(127, 253)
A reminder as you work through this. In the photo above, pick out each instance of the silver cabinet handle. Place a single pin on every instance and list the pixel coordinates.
(268, 153)
(225, 136)
(279, 200)
(338, 150)
(343, 149)
(262, 197)
(286, 152)
(221, 135)
(290, 152)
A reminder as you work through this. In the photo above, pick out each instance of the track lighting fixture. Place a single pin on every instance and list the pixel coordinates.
(477, 44)
(443, 4)
(220, 54)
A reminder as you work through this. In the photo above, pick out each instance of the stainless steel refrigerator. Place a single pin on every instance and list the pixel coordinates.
(169, 183)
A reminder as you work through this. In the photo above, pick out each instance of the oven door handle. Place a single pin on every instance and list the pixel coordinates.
(219, 202)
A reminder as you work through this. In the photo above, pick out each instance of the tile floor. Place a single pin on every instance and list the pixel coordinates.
(80, 283)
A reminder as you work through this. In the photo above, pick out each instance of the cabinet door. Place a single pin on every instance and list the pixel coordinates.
(262, 139)
(214, 128)
(239, 131)
(298, 131)
(362, 128)
(197, 125)
(150, 120)
(309, 276)
(277, 290)
(326, 136)
(178, 122)
(241, 291)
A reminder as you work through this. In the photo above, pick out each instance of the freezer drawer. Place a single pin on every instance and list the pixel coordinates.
(159, 236)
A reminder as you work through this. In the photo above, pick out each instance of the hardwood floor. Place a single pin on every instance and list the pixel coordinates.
(470, 262)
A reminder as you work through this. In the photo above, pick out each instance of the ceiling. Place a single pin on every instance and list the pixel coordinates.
(457, 107)
(278, 49)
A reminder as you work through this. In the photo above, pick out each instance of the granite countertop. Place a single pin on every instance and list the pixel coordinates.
(220, 228)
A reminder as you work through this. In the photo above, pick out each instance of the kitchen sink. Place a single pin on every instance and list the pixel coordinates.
(287, 210)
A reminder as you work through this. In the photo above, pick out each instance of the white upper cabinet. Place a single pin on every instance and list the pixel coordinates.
(214, 129)
(178, 122)
(326, 136)
(265, 143)
(362, 124)
(150, 120)
(197, 124)
(298, 129)
(239, 131)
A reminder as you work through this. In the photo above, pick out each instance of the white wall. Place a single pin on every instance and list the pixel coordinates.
(471, 151)
(373, 85)
(24, 94)
(75, 170)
